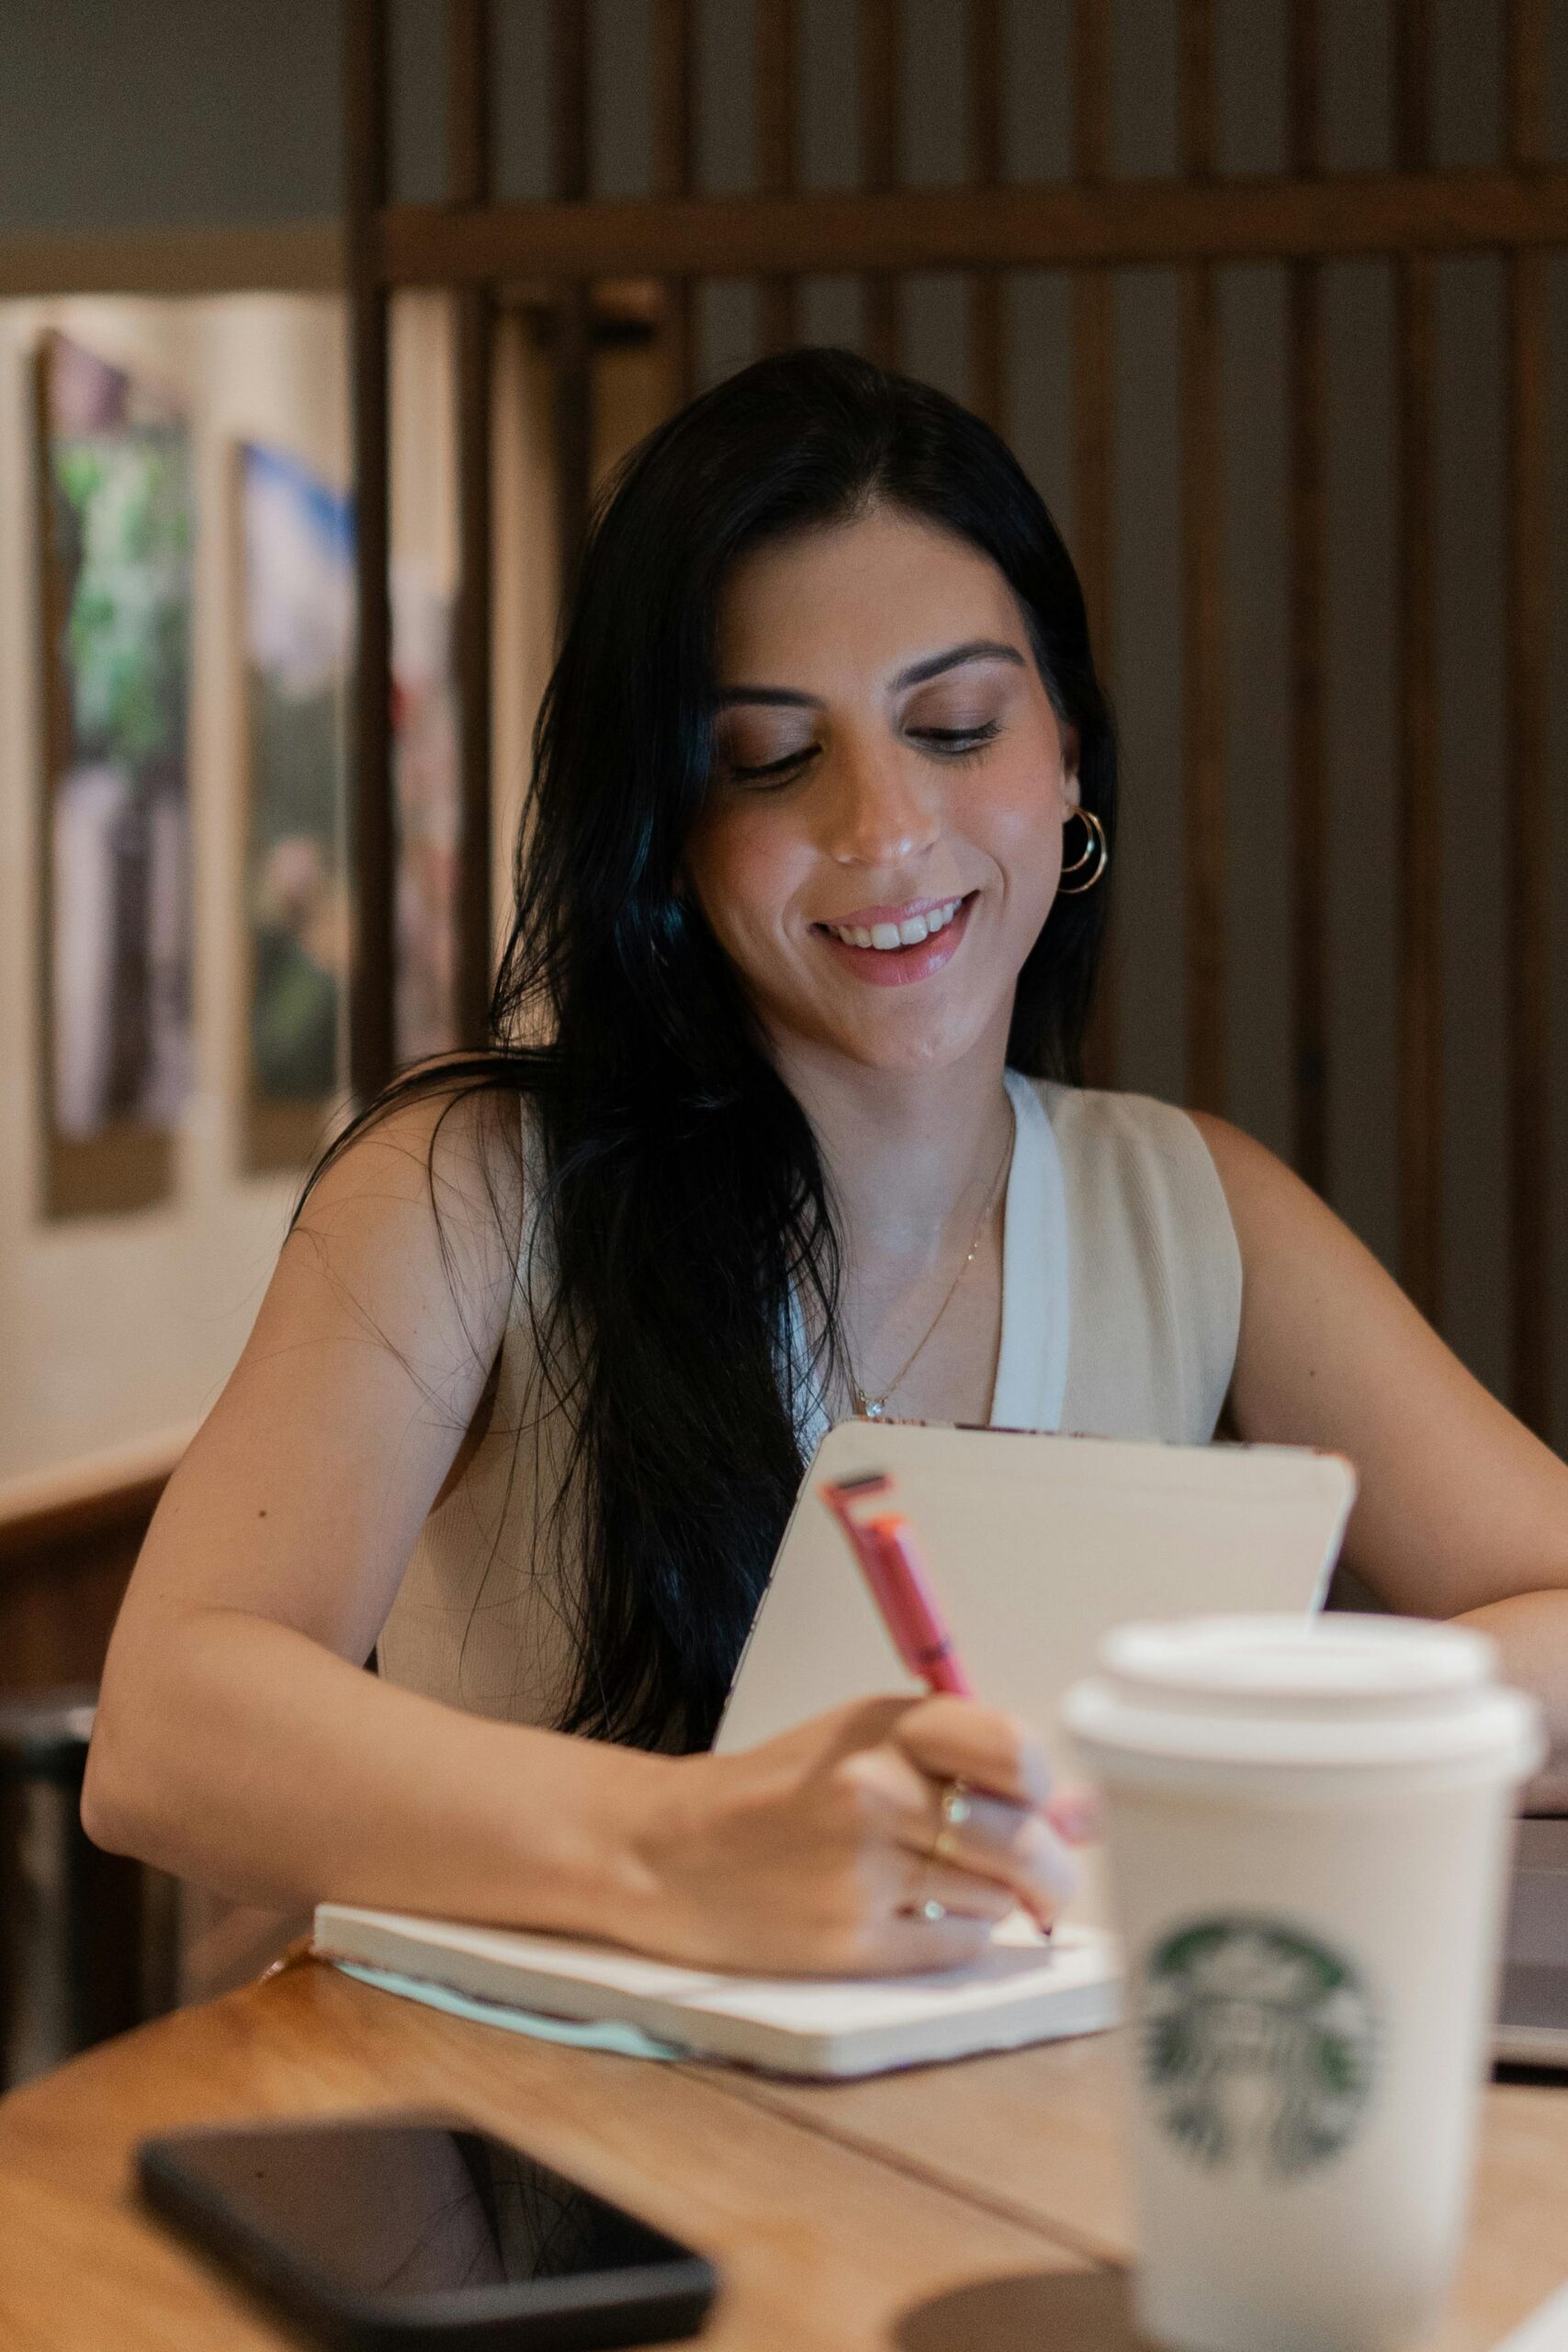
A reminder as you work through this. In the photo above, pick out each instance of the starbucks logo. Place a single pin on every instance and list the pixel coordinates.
(1257, 2044)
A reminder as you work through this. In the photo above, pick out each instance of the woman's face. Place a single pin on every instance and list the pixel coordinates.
(884, 836)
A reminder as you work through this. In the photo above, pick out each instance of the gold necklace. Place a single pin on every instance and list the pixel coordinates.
(871, 1408)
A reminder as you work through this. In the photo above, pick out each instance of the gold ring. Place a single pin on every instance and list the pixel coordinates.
(955, 1809)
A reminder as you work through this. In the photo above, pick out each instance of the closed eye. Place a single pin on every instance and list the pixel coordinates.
(958, 739)
(774, 768)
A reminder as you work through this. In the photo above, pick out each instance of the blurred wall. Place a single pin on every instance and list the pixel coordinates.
(119, 1328)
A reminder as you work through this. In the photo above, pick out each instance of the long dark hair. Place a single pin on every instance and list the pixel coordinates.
(679, 1204)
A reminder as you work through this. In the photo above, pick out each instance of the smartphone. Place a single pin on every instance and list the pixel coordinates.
(410, 2231)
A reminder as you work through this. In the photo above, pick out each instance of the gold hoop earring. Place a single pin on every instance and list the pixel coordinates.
(1096, 853)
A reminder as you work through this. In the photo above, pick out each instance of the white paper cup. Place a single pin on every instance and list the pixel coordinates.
(1308, 1827)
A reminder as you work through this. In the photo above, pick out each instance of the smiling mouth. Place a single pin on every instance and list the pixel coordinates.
(887, 935)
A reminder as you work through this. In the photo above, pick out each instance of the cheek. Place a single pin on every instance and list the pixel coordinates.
(1021, 814)
(742, 869)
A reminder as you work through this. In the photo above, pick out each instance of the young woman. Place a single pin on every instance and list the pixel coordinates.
(782, 1122)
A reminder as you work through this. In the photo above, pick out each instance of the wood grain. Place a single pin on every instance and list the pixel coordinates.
(468, 164)
(933, 2209)
(987, 288)
(1308, 560)
(674, 171)
(776, 62)
(821, 2249)
(1093, 330)
(1528, 623)
(1420, 973)
(1033, 2135)
(1203, 602)
(1133, 223)
(879, 31)
(373, 953)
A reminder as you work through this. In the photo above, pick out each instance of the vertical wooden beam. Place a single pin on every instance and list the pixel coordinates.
(674, 170)
(469, 182)
(987, 288)
(1202, 610)
(777, 65)
(879, 160)
(1093, 342)
(1527, 803)
(1309, 828)
(573, 357)
(372, 975)
(1420, 848)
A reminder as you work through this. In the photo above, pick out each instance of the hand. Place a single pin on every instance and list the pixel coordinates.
(812, 1853)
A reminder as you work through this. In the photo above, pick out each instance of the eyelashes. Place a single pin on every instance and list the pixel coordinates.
(947, 742)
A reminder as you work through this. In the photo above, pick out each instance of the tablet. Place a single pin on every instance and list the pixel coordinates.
(1037, 1545)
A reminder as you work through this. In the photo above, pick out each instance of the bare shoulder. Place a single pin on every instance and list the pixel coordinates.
(439, 1167)
(1256, 1181)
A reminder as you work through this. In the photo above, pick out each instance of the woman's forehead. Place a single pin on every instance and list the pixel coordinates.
(868, 598)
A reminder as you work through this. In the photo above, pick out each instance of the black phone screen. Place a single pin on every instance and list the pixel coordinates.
(379, 2211)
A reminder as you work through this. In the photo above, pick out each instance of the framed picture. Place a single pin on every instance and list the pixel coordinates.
(425, 773)
(116, 538)
(297, 540)
(297, 534)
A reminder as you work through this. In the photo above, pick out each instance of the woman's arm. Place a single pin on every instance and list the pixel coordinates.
(1461, 1511)
(238, 1743)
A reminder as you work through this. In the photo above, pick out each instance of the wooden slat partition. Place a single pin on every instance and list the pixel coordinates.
(1420, 841)
(776, 34)
(674, 169)
(987, 288)
(879, 31)
(573, 357)
(468, 164)
(1202, 614)
(1309, 815)
(1092, 225)
(1093, 332)
(1528, 807)
(373, 965)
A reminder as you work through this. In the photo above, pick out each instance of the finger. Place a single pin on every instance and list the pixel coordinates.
(963, 1894)
(991, 1839)
(956, 1739)
(1075, 1813)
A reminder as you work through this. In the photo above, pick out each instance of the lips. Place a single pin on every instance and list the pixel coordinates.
(914, 957)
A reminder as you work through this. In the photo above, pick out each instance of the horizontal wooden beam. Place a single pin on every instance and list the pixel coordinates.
(1121, 223)
(292, 257)
(102, 1492)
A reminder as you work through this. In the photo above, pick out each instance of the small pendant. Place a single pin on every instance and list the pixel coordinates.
(870, 1409)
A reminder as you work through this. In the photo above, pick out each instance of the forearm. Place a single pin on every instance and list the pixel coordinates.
(1530, 1630)
(239, 1753)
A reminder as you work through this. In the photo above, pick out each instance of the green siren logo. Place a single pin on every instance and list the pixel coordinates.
(1257, 2044)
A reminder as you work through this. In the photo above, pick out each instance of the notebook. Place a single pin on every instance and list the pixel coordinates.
(1022, 1990)
(1037, 1546)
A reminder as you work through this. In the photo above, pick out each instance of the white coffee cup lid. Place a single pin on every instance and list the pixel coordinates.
(1333, 1691)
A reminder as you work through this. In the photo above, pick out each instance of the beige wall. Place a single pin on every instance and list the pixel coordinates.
(115, 1329)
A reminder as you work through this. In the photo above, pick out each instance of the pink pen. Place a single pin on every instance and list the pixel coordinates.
(899, 1585)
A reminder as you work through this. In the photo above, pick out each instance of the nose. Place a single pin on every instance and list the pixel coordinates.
(876, 811)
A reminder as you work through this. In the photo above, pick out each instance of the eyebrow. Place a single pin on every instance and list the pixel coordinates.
(978, 649)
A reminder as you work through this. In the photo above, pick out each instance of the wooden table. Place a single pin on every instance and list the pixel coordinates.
(971, 2207)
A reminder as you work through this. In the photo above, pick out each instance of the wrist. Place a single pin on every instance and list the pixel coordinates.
(607, 1879)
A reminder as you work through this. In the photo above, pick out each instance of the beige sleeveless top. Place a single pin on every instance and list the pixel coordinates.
(1121, 1306)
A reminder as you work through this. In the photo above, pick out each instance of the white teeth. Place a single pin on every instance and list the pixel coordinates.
(907, 934)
